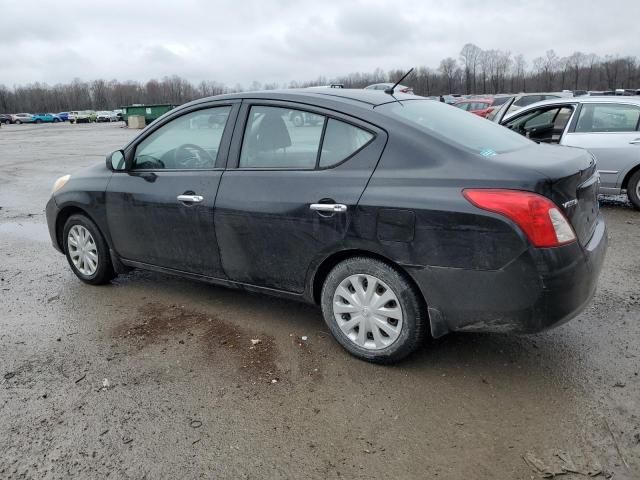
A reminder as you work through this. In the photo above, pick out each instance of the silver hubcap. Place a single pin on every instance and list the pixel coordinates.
(82, 250)
(367, 311)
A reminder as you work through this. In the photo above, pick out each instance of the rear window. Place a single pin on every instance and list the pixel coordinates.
(455, 126)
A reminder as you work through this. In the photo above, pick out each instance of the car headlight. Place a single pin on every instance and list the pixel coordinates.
(60, 183)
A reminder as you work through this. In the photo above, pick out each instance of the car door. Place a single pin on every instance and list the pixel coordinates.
(610, 132)
(160, 210)
(543, 124)
(291, 194)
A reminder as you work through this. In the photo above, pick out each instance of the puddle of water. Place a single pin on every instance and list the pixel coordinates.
(31, 231)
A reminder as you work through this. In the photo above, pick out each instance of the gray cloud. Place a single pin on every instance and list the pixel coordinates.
(238, 41)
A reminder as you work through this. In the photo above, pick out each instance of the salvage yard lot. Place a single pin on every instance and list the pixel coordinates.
(160, 377)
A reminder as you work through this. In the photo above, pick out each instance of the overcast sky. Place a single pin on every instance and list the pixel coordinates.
(239, 41)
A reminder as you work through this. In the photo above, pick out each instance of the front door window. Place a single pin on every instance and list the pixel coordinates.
(190, 142)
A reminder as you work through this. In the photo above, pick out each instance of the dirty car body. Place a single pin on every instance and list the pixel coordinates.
(255, 210)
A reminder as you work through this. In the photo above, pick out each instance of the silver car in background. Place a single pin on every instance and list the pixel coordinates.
(384, 86)
(521, 100)
(19, 118)
(609, 127)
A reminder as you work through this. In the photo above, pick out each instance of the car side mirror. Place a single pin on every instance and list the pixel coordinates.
(116, 161)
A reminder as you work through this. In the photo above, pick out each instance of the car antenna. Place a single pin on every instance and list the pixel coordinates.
(391, 90)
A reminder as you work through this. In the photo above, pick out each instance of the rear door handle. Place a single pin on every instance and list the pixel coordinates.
(190, 198)
(328, 207)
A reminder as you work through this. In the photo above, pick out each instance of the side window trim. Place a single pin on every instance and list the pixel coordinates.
(233, 162)
(324, 131)
(225, 141)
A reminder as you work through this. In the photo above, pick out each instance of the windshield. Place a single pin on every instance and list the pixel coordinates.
(455, 126)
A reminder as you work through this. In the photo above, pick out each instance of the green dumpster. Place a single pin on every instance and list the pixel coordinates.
(149, 112)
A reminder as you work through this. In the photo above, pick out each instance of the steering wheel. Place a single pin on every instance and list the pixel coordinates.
(189, 155)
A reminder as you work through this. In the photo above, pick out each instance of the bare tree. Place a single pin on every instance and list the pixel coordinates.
(470, 57)
(447, 68)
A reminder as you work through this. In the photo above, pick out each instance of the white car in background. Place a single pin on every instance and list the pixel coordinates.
(609, 127)
(106, 116)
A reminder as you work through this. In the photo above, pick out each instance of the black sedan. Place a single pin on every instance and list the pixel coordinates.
(399, 216)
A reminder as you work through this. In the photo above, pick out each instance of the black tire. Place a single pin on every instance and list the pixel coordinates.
(104, 271)
(55, 120)
(7, 122)
(414, 321)
(633, 190)
(38, 121)
(18, 122)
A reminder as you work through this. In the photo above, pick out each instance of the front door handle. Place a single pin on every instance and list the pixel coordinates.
(635, 142)
(190, 198)
(328, 207)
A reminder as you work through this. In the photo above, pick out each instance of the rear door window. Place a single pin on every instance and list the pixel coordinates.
(277, 137)
(602, 117)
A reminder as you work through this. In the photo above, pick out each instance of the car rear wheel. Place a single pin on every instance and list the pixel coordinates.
(7, 122)
(633, 190)
(87, 251)
(373, 310)
(18, 122)
(38, 121)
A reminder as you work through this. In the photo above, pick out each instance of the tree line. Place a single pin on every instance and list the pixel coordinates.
(475, 71)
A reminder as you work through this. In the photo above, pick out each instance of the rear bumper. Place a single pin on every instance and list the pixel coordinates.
(541, 289)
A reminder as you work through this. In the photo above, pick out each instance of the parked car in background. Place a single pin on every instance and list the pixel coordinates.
(481, 106)
(516, 102)
(384, 86)
(64, 116)
(118, 113)
(398, 215)
(19, 118)
(5, 118)
(82, 116)
(46, 118)
(609, 127)
(106, 116)
(320, 87)
(449, 99)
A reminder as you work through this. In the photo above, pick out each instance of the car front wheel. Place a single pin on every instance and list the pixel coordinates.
(373, 310)
(633, 190)
(87, 251)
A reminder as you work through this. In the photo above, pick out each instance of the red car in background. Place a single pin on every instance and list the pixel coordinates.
(481, 106)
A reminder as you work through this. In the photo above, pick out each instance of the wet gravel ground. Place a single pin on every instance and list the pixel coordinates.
(159, 377)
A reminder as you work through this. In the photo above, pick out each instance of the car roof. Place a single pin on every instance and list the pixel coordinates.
(585, 99)
(336, 95)
(575, 100)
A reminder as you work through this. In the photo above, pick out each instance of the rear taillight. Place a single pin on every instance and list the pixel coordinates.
(538, 217)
